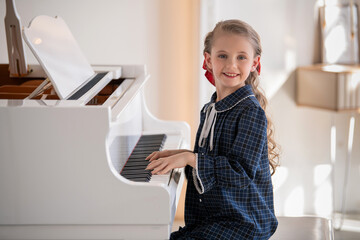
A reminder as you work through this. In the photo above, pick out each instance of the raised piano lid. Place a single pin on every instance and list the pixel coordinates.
(58, 53)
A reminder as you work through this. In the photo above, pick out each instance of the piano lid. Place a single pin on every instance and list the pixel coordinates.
(58, 53)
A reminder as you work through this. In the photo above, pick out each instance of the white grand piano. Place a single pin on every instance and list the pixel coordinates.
(72, 143)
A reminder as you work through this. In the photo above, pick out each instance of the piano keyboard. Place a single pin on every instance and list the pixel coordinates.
(134, 168)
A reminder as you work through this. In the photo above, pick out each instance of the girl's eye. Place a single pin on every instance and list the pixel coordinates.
(241, 57)
(222, 56)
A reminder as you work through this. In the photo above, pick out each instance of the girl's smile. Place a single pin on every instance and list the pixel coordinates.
(231, 75)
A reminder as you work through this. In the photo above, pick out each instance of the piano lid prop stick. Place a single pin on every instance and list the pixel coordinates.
(15, 43)
(41, 88)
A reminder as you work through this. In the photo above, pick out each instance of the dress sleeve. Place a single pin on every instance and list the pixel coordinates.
(238, 168)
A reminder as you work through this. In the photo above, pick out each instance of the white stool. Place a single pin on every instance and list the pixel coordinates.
(303, 228)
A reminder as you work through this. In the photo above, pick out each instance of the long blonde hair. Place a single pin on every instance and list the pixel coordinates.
(244, 29)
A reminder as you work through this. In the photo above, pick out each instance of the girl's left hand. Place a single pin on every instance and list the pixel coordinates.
(164, 165)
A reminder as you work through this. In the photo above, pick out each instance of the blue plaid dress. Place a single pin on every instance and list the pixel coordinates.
(230, 195)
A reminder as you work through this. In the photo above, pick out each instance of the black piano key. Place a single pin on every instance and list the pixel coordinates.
(140, 171)
(148, 147)
(149, 143)
(152, 136)
(130, 167)
(139, 167)
(137, 163)
(134, 169)
(144, 152)
(140, 179)
(137, 158)
(139, 154)
(135, 174)
(154, 145)
(137, 177)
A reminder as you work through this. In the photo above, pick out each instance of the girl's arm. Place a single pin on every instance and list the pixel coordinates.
(165, 153)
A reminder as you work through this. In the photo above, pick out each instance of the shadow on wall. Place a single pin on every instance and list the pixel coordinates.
(302, 185)
(290, 86)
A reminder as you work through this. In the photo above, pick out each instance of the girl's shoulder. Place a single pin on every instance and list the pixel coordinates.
(249, 104)
(238, 105)
(250, 109)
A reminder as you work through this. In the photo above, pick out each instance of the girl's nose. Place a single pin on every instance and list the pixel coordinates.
(231, 63)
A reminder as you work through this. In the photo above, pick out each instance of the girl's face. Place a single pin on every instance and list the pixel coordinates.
(231, 61)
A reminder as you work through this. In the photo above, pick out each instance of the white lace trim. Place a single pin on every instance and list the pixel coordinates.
(196, 177)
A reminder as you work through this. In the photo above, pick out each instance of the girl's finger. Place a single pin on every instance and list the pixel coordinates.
(150, 166)
(165, 170)
(157, 155)
(159, 168)
(153, 164)
(150, 156)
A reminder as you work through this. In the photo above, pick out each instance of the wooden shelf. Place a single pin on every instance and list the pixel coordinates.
(330, 87)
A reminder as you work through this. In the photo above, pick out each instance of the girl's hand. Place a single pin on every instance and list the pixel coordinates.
(165, 153)
(165, 164)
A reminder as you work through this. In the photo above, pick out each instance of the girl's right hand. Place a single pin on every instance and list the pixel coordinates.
(165, 153)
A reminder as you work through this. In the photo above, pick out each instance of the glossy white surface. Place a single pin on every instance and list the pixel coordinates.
(115, 70)
(57, 51)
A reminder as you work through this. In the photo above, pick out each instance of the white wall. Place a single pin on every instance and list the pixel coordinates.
(289, 33)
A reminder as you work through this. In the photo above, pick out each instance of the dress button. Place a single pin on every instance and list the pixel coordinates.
(200, 200)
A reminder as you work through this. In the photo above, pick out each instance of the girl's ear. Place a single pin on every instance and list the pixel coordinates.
(208, 60)
(255, 63)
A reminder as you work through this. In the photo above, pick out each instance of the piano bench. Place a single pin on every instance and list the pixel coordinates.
(303, 228)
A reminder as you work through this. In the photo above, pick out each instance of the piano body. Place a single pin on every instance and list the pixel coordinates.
(62, 157)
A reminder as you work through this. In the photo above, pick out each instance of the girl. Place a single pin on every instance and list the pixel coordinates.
(229, 192)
